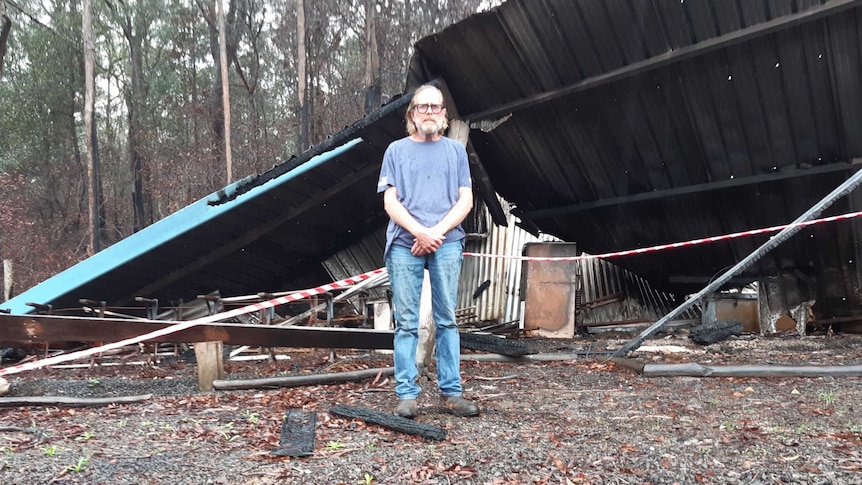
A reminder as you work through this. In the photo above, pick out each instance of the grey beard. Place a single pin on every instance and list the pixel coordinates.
(429, 128)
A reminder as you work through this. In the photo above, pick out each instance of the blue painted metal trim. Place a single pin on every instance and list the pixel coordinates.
(153, 236)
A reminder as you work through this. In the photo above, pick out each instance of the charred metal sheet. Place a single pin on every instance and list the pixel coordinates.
(44, 328)
(551, 289)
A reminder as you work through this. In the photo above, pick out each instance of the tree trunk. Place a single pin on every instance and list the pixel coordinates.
(372, 60)
(135, 101)
(301, 87)
(8, 280)
(225, 90)
(215, 97)
(90, 126)
(4, 36)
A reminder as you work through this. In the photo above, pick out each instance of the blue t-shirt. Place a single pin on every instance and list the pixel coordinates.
(427, 176)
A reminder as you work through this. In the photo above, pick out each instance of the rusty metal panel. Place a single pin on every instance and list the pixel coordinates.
(551, 286)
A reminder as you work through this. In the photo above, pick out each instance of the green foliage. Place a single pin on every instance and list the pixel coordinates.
(51, 450)
(334, 445)
(367, 479)
(251, 417)
(79, 467)
(828, 397)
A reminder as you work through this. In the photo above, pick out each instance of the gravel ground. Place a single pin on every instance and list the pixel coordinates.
(575, 421)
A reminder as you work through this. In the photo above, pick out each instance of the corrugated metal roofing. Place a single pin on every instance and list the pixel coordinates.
(629, 123)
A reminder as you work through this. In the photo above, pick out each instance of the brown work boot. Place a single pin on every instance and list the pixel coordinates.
(407, 408)
(459, 406)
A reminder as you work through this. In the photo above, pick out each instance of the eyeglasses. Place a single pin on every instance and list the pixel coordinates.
(429, 108)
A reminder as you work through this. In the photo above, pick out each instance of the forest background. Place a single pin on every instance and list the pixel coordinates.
(150, 138)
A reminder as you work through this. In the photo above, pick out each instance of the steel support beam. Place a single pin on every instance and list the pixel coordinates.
(688, 189)
(845, 188)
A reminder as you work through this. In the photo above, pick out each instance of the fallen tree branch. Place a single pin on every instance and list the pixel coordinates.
(697, 370)
(70, 401)
(533, 357)
(302, 380)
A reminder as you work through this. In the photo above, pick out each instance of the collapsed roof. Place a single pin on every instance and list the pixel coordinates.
(612, 123)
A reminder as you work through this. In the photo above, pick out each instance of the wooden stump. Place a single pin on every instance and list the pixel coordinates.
(210, 364)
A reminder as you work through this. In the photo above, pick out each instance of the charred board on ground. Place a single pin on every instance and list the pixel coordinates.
(494, 344)
(390, 421)
(298, 432)
(714, 332)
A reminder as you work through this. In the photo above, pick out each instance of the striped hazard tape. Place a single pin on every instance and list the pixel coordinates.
(662, 247)
(299, 295)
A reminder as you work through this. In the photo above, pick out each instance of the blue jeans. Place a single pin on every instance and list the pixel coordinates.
(406, 273)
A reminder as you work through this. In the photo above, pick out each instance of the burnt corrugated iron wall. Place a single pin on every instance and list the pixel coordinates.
(611, 294)
(500, 277)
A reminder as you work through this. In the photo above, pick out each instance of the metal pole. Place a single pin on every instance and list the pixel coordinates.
(842, 190)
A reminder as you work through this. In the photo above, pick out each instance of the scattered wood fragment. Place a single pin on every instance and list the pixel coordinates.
(501, 378)
(303, 380)
(390, 421)
(39, 435)
(298, 432)
(694, 369)
(70, 401)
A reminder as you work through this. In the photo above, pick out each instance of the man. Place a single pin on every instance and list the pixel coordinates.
(427, 192)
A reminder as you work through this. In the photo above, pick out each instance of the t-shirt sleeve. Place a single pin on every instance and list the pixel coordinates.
(387, 171)
(464, 179)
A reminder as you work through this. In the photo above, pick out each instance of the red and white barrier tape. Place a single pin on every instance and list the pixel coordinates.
(356, 279)
(299, 295)
(661, 247)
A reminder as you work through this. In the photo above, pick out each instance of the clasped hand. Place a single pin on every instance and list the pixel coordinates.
(426, 242)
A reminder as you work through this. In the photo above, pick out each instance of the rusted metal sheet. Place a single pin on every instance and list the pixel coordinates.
(45, 328)
(551, 288)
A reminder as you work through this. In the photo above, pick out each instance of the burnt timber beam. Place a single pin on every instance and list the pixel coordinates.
(45, 328)
(688, 189)
(671, 57)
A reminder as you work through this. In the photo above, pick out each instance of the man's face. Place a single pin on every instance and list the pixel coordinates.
(429, 122)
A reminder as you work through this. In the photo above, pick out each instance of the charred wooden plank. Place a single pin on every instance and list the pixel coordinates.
(714, 332)
(390, 421)
(51, 328)
(494, 344)
(70, 401)
(298, 432)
